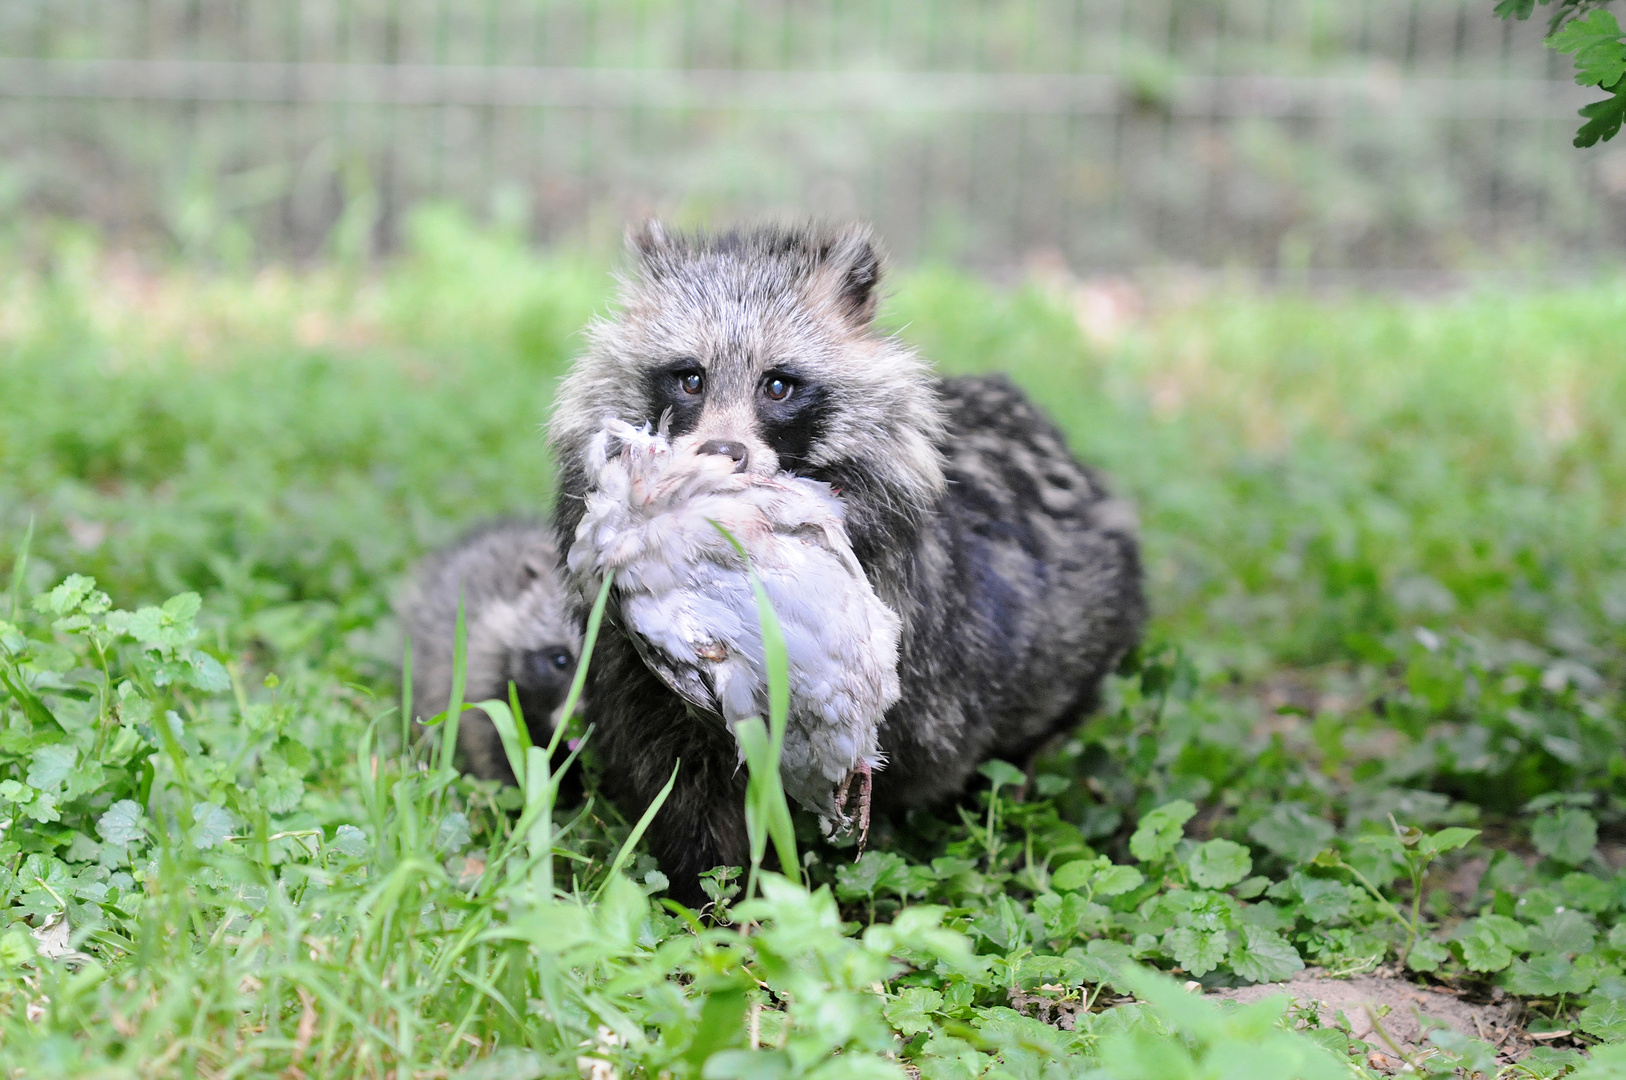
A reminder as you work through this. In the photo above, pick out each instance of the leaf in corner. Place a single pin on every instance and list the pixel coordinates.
(1515, 9)
(1603, 119)
(1600, 55)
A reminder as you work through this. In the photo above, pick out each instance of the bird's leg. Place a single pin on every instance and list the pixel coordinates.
(841, 803)
(864, 787)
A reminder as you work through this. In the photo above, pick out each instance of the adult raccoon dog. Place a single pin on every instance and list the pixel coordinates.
(1015, 575)
(519, 627)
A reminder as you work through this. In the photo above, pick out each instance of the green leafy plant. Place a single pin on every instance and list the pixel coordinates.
(1383, 543)
(1414, 850)
(1598, 44)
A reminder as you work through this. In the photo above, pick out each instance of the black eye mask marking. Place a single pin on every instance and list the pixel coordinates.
(673, 389)
(794, 424)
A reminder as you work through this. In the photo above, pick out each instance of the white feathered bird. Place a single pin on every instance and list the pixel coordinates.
(686, 598)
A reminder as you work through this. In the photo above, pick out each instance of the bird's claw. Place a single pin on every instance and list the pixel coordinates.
(865, 786)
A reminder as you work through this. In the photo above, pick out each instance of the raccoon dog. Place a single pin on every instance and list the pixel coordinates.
(1015, 575)
(519, 627)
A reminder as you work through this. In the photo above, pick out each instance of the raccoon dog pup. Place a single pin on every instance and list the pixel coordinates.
(1015, 576)
(519, 627)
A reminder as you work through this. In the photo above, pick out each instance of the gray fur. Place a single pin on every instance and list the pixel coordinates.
(517, 619)
(1016, 576)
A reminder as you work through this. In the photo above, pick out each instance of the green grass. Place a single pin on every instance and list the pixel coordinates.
(1386, 550)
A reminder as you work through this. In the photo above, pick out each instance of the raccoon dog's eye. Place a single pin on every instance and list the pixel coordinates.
(559, 659)
(778, 388)
(692, 382)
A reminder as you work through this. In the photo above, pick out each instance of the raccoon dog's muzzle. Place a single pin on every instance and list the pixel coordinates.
(733, 434)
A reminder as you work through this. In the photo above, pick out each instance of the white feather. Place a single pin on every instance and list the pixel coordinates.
(684, 592)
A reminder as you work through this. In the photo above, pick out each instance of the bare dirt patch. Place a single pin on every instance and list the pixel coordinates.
(1385, 1009)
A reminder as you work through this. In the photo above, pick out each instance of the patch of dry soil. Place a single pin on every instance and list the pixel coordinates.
(1398, 1007)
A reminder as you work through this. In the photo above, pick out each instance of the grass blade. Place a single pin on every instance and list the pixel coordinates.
(767, 813)
(637, 832)
(595, 619)
(514, 742)
(406, 695)
(540, 789)
(454, 708)
(19, 569)
(522, 731)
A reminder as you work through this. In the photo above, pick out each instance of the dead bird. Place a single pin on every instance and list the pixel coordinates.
(1014, 573)
(683, 593)
(519, 627)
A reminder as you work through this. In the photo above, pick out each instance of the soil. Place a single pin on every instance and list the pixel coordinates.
(1393, 1014)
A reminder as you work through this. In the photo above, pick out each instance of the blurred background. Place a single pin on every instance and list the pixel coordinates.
(1362, 138)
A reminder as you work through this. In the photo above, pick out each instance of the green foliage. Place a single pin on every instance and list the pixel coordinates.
(1599, 46)
(1415, 850)
(1567, 836)
(1243, 1042)
(1386, 538)
(1600, 55)
(1158, 832)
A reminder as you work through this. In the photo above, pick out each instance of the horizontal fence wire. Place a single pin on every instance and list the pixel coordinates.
(1191, 96)
(1383, 135)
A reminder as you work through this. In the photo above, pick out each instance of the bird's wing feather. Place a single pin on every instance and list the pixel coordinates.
(685, 680)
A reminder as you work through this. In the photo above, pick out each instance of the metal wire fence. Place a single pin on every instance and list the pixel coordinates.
(1342, 134)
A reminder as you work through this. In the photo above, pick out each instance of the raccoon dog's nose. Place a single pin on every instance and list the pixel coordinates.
(733, 450)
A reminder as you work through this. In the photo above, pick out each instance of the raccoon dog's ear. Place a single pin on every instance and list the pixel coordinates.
(855, 267)
(647, 239)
